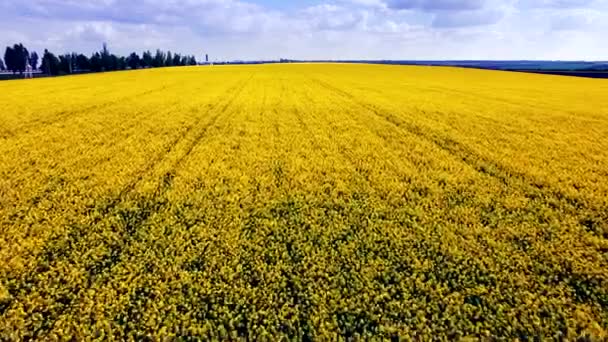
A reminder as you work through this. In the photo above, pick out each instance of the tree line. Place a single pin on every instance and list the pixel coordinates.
(17, 58)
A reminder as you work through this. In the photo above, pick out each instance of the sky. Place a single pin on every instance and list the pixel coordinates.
(315, 29)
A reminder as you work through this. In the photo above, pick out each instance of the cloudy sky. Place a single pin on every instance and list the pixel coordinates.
(316, 29)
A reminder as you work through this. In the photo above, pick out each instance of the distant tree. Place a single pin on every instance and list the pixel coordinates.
(185, 61)
(33, 59)
(20, 58)
(177, 59)
(147, 59)
(82, 63)
(2, 67)
(106, 59)
(50, 63)
(96, 63)
(133, 61)
(169, 59)
(112, 63)
(9, 58)
(159, 59)
(121, 63)
(17, 57)
(65, 64)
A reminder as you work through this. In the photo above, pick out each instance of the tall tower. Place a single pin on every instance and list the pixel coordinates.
(206, 58)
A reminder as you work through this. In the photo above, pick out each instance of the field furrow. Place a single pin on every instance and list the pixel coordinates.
(304, 202)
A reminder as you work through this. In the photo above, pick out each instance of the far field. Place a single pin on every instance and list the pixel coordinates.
(306, 201)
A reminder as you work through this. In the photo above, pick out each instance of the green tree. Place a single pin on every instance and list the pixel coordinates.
(65, 64)
(50, 63)
(112, 64)
(68, 63)
(147, 59)
(96, 62)
(169, 59)
(121, 63)
(20, 58)
(106, 58)
(177, 59)
(159, 59)
(33, 59)
(82, 63)
(9, 59)
(133, 61)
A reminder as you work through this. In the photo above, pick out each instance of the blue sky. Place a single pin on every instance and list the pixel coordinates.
(316, 29)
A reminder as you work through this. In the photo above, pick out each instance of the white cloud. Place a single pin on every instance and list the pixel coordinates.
(468, 18)
(336, 29)
(434, 5)
(556, 3)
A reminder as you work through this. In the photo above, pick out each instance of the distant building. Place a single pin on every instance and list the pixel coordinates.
(29, 71)
(206, 58)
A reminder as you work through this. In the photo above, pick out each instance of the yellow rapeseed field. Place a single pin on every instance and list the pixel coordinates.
(304, 202)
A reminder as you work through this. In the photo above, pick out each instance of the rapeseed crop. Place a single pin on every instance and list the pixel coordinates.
(304, 202)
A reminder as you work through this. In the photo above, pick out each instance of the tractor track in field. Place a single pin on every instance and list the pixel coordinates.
(460, 152)
(48, 190)
(470, 95)
(45, 193)
(306, 127)
(133, 219)
(130, 186)
(63, 115)
(343, 151)
(571, 208)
